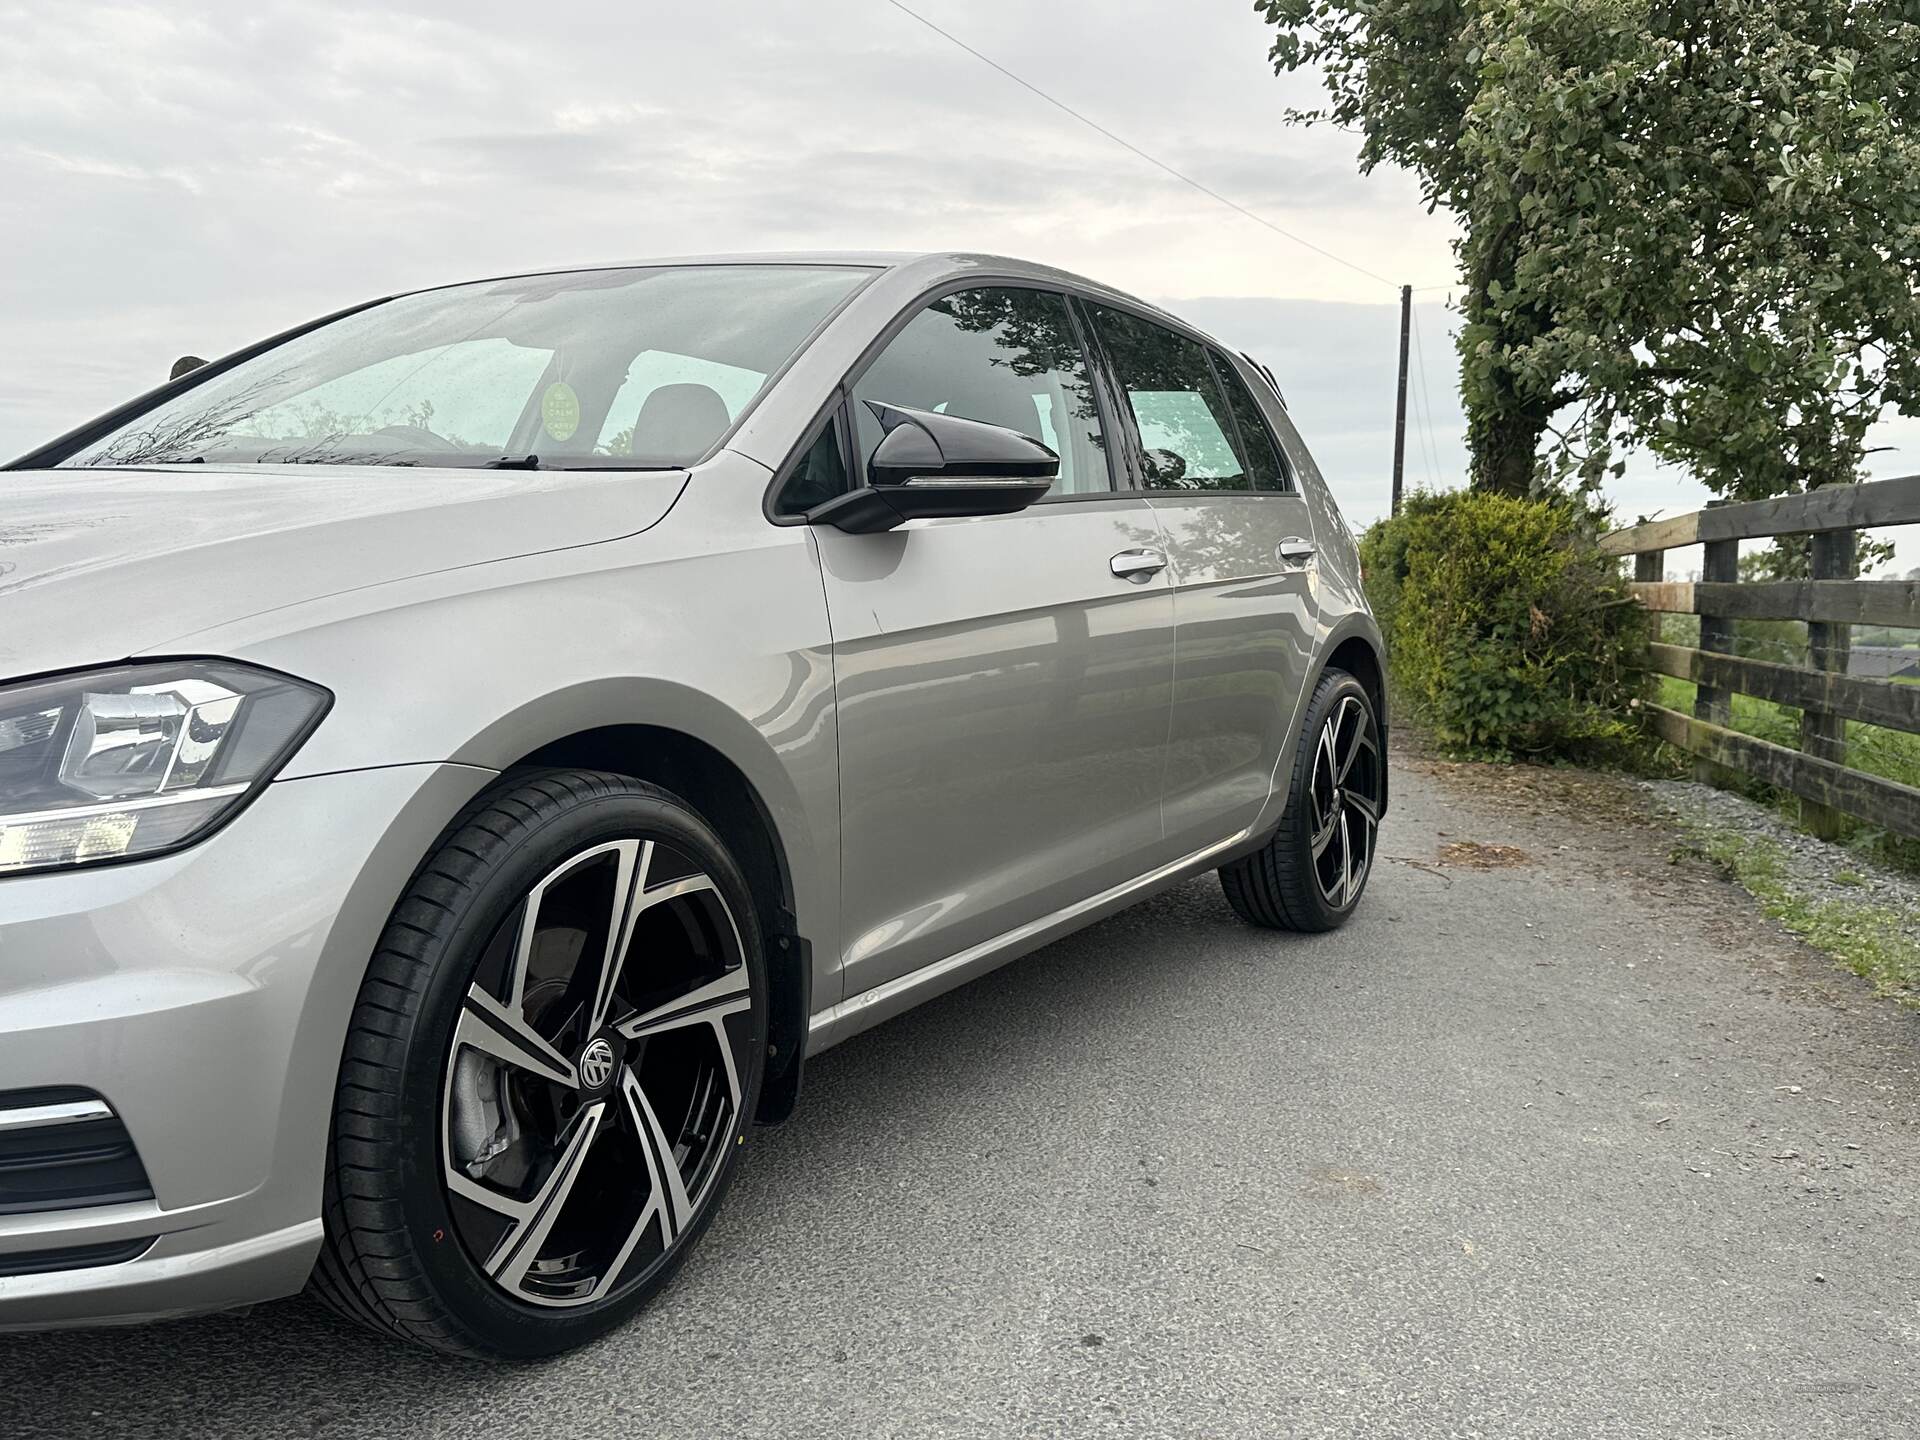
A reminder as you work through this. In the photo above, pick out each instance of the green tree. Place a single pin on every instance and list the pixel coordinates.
(1692, 225)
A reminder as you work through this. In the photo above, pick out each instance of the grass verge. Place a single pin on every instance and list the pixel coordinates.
(1879, 943)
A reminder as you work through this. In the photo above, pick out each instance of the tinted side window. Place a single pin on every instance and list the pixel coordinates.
(1003, 355)
(1186, 429)
(1269, 471)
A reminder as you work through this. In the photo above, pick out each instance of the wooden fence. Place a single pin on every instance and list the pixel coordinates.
(1832, 601)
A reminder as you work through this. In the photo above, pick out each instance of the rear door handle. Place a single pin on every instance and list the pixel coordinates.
(1295, 552)
(1139, 566)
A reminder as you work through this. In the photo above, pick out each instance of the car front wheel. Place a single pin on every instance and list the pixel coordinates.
(553, 1061)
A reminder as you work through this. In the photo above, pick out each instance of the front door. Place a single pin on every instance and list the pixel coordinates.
(1003, 682)
(1241, 544)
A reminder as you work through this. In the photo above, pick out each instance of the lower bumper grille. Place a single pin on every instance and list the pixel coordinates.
(72, 1257)
(63, 1148)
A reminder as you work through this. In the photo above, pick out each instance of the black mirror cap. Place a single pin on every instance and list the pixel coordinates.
(926, 445)
(928, 464)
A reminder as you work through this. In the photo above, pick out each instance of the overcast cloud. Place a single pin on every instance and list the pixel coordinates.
(191, 179)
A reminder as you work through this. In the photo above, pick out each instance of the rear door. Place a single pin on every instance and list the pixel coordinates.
(1241, 544)
(1004, 682)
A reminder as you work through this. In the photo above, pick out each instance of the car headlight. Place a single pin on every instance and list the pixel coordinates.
(138, 759)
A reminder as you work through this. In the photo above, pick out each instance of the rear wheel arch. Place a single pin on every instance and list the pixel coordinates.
(1361, 658)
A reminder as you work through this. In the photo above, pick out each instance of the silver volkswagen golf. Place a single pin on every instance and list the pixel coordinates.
(459, 759)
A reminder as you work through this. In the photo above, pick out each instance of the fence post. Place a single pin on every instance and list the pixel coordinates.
(1828, 644)
(1720, 564)
(1651, 565)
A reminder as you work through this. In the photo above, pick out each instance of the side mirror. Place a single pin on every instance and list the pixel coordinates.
(928, 464)
(185, 365)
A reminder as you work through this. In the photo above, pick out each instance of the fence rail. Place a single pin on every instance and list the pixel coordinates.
(1832, 601)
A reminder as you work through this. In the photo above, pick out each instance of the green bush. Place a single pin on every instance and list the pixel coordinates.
(1508, 632)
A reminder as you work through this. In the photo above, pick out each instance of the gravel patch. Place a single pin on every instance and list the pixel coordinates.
(1812, 868)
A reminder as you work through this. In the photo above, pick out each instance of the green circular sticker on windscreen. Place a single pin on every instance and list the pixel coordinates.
(560, 411)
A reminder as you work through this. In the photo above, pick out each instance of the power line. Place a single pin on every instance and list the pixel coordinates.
(1150, 159)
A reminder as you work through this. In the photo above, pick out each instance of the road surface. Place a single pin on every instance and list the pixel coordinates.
(1555, 1140)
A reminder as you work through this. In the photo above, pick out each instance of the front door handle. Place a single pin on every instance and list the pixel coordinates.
(1295, 552)
(1139, 566)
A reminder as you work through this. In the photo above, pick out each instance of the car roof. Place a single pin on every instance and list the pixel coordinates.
(929, 267)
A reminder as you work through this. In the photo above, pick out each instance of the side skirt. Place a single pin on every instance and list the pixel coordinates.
(860, 1012)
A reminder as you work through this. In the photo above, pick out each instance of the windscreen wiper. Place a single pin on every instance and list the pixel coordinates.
(574, 462)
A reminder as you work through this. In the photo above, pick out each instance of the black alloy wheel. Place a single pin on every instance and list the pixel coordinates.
(1314, 868)
(544, 1123)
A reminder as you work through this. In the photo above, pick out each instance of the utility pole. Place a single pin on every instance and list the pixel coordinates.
(1400, 405)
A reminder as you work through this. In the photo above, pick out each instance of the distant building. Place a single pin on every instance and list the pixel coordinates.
(1884, 662)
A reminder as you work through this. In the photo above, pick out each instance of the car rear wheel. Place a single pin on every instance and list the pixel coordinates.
(552, 1064)
(1312, 872)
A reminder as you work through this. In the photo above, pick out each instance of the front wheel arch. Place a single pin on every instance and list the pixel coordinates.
(729, 801)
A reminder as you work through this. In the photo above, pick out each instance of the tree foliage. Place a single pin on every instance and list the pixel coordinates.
(1692, 225)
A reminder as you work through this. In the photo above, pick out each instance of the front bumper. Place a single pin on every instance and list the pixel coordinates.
(204, 997)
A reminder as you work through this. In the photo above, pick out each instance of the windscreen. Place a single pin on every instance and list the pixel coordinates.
(634, 368)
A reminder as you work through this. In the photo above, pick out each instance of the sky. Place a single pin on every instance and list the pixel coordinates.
(189, 179)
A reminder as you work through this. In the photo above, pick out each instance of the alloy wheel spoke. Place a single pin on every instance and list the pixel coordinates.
(1346, 860)
(709, 1005)
(631, 899)
(706, 1004)
(1369, 812)
(1361, 744)
(670, 1186)
(491, 1028)
(673, 890)
(656, 1208)
(634, 858)
(521, 1246)
(512, 1207)
(1324, 836)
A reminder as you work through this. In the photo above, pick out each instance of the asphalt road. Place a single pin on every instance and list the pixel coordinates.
(1561, 1147)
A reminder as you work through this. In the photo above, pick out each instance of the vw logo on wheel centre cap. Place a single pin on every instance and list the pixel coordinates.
(596, 1063)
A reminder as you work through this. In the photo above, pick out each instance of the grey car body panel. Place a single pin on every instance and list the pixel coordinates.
(998, 717)
(1003, 700)
(86, 554)
(714, 625)
(1245, 630)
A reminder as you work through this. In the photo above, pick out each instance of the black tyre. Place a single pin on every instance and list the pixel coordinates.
(1314, 869)
(551, 1067)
